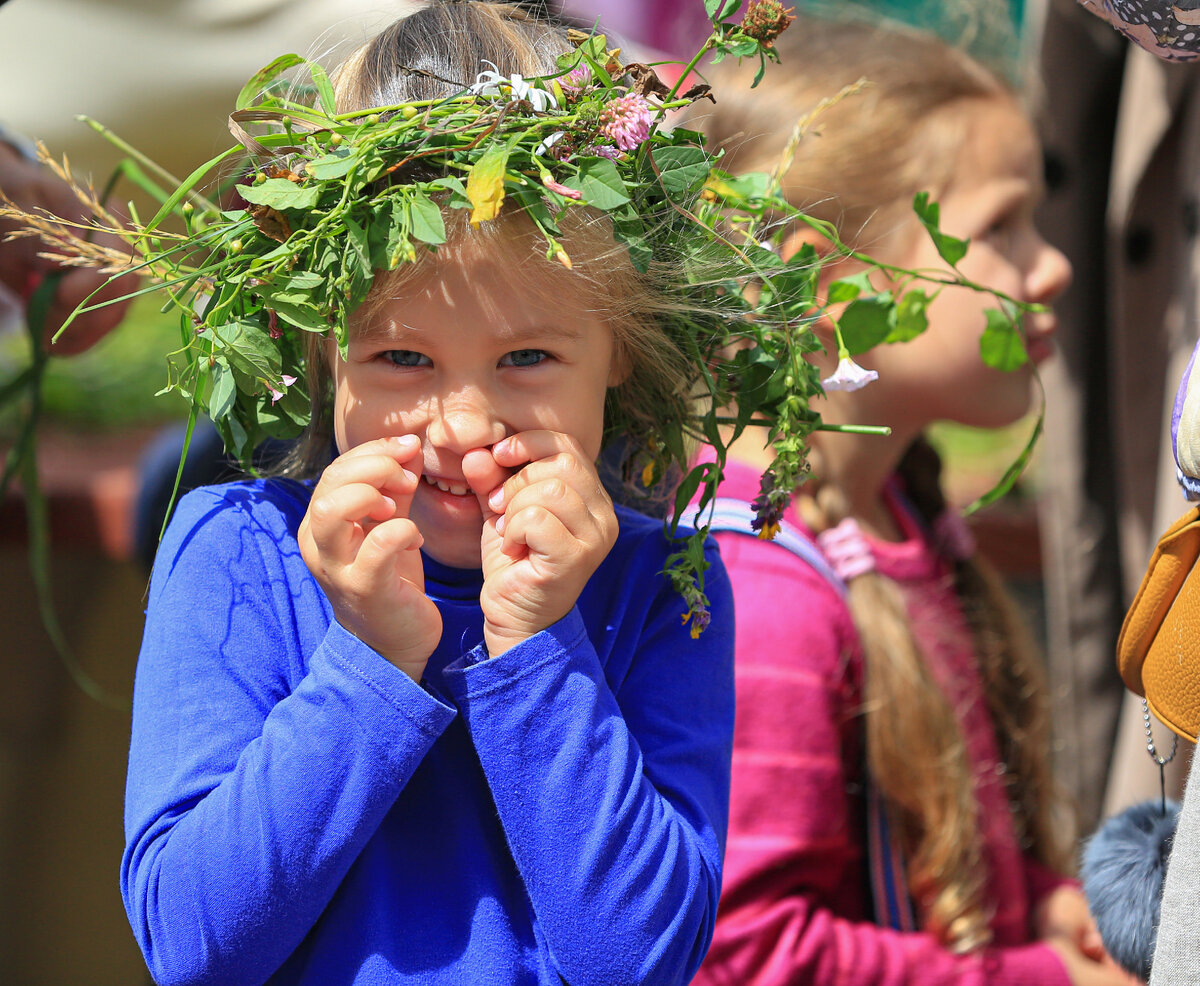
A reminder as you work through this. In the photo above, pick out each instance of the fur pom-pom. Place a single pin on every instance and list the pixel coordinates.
(1123, 868)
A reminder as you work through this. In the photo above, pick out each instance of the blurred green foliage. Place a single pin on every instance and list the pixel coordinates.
(110, 387)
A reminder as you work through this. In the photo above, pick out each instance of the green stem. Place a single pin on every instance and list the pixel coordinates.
(23, 460)
(687, 69)
(172, 182)
(821, 426)
(854, 429)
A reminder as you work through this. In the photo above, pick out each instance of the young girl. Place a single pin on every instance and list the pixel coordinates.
(433, 717)
(889, 670)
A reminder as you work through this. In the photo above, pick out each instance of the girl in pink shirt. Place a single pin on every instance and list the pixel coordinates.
(902, 678)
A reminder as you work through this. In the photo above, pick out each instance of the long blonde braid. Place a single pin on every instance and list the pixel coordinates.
(916, 753)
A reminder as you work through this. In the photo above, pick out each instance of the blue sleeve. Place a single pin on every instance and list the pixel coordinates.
(614, 799)
(257, 771)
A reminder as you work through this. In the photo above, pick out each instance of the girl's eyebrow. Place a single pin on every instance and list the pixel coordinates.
(399, 332)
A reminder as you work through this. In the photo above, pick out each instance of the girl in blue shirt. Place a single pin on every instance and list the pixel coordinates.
(431, 714)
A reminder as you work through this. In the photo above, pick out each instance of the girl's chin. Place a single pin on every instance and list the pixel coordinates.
(451, 525)
(1039, 350)
(454, 556)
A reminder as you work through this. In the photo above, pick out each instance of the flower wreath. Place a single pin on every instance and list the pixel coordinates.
(324, 209)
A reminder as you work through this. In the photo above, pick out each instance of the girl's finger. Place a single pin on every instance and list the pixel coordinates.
(382, 547)
(567, 466)
(557, 497)
(484, 475)
(539, 531)
(529, 446)
(335, 518)
(398, 447)
(372, 468)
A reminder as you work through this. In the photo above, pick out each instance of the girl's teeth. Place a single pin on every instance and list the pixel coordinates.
(456, 489)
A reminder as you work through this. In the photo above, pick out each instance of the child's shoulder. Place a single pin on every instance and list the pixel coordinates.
(272, 507)
(639, 558)
(646, 539)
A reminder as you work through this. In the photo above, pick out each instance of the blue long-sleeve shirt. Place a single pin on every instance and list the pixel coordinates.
(298, 810)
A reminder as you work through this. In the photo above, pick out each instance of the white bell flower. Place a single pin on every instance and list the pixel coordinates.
(849, 376)
(513, 88)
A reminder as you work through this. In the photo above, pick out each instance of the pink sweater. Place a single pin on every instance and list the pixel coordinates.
(795, 906)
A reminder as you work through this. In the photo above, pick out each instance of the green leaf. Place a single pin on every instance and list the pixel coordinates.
(302, 316)
(279, 193)
(718, 10)
(324, 88)
(762, 70)
(356, 238)
(387, 231)
(911, 319)
(950, 248)
(224, 389)
(260, 79)
(296, 288)
(331, 166)
(849, 288)
(186, 187)
(682, 168)
(428, 226)
(1001, 345)
(749, 187)
(458, 193)
(795, 288)
(485, 184)
(867, 322)
(249, 349)
(600, 183)
(687, 489)
(742, 49)
(629, 230)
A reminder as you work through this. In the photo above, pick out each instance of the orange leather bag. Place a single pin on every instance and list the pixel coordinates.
(1158, 652)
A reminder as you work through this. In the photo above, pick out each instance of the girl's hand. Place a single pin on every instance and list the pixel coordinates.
(546, 529)
(1084, 971)
(361, 547)
(1063, 913)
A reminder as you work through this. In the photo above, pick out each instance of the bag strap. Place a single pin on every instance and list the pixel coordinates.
(889, 892)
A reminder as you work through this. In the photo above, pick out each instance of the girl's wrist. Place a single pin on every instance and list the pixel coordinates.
(409, 659)
(500, 640)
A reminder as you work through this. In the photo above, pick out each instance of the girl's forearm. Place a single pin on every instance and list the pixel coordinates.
(256, 777)
(613, 806)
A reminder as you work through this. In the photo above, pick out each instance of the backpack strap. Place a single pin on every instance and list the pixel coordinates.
(729, 514)
(889, 890)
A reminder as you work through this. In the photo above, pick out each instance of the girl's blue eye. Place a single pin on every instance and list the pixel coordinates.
(524, 357)
(406, 357)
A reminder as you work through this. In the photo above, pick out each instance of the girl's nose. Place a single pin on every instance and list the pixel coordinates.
(463, 420)
(1050, 274)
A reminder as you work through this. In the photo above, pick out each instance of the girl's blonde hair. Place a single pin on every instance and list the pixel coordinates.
(871, 153)
(436, 52)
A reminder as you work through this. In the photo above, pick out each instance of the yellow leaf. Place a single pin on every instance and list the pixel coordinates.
(485, 184)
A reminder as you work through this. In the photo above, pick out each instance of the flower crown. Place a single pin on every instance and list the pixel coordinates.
(329, 199)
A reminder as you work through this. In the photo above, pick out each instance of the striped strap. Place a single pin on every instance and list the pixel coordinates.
(893, 906)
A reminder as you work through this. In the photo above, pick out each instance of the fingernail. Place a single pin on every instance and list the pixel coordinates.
(501, 446)
(389, 503)
(409, 475)
(496, 498)
(500, 524)
(406, 440)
